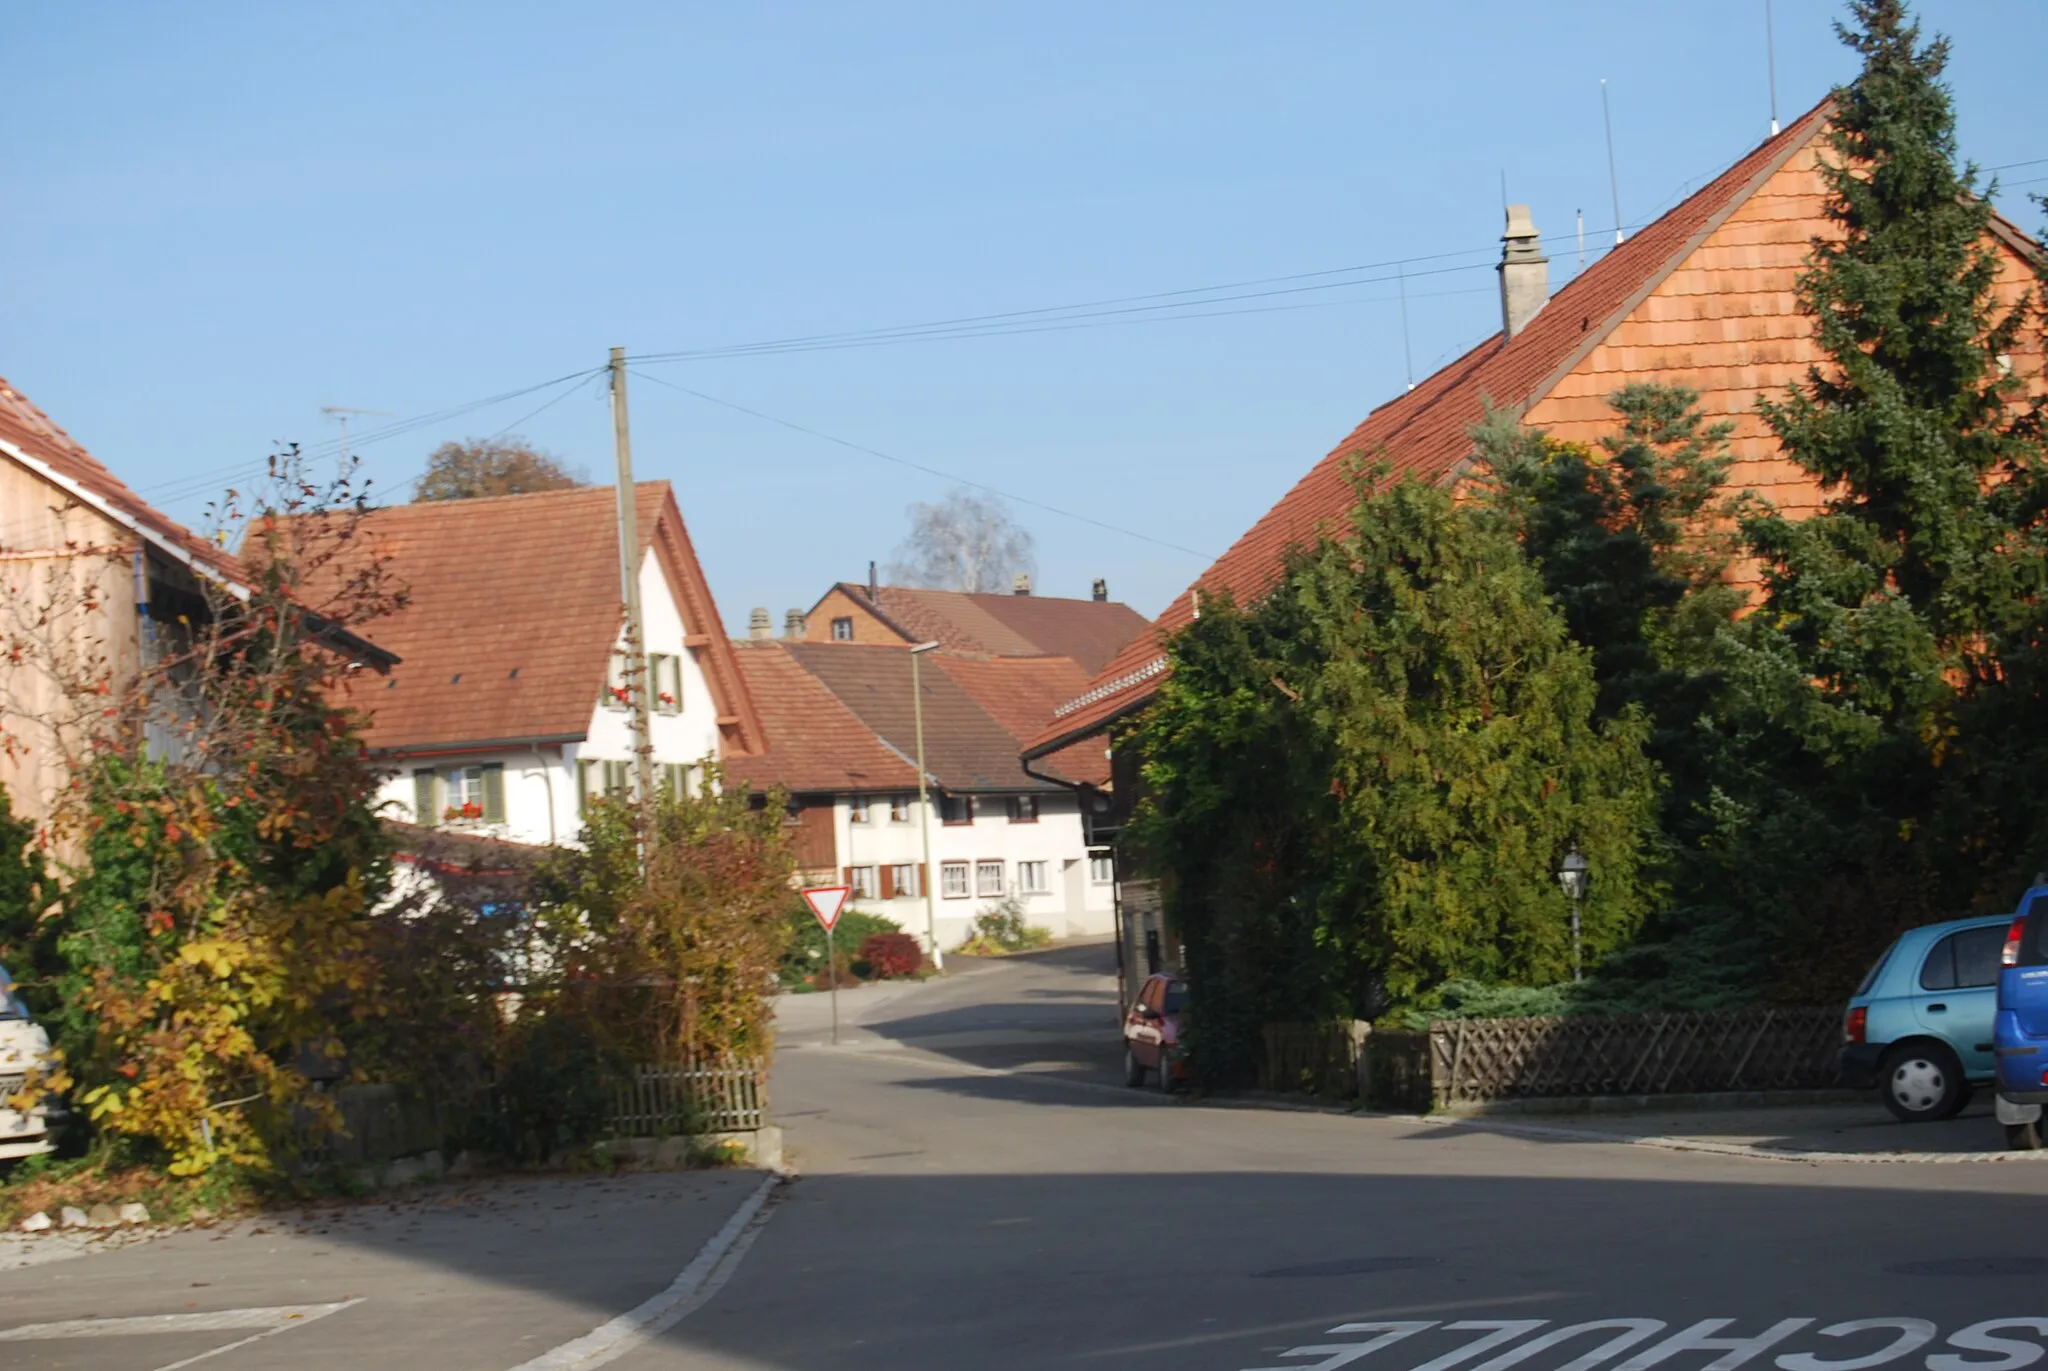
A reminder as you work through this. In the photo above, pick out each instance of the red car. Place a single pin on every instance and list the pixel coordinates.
(1152, 1033)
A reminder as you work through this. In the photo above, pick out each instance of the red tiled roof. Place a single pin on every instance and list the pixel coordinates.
(515, 606)
(1425, 432)
(1020, 693)
(814, 744)
(967, 749)
(38, 438)
(1088, 631)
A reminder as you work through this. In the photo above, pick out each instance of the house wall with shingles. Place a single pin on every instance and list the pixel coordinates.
(1727, 324)
(55, 552)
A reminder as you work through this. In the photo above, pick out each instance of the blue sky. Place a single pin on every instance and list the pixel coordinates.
(223, 217)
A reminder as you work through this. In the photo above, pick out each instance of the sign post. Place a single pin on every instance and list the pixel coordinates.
(826, 901)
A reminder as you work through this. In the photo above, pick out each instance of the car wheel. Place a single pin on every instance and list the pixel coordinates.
(1134, 1074)
(2023, 1137)
(1922, 1082)
(1165, 1072)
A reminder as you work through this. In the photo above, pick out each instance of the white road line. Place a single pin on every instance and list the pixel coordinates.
(218, 1321)
(706, 1274)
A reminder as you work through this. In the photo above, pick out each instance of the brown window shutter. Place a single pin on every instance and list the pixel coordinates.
(494, 793)
(888, 882)
(923, 876)
(846, 876)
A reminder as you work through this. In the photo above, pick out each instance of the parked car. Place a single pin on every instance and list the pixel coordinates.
(24, 1045)
(1152, 1042)
(2020, 1032)
(1919, 1027)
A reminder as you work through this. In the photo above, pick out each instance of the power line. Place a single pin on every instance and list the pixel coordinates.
(919, 466)
(197, 482)
(1010, 322)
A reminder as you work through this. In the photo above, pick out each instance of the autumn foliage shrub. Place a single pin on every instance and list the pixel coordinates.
(891, 956)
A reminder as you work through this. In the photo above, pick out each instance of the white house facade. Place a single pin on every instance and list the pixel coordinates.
(511, 708)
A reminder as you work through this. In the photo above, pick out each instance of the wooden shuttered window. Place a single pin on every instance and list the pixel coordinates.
(888, 882)
(494, 793)
(426, 798)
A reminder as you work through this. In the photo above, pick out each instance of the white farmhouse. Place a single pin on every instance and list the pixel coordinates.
(840, 731)
(508, 709)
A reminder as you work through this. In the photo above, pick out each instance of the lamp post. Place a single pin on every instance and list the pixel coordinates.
(1572, 874)
(924, 808)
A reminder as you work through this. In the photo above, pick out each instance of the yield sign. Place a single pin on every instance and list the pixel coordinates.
(826, 901)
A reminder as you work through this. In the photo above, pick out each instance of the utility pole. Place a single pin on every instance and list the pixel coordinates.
(924, 807)
(635, 674)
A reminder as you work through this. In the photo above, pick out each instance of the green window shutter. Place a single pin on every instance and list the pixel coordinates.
(494, 793)
(424, 810)
(582, 788)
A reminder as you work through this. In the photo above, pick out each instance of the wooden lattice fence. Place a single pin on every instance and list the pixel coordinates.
(1315, 1058)
(719, 1096)
(1472, 1060)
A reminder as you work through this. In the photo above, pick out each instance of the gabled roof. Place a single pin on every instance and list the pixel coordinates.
(1088, 631)
(967, 748)
(30, 436)
(515, 607)
(814, 744)
(1425, 433)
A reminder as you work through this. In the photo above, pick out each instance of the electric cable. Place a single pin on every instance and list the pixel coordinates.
(919, 466)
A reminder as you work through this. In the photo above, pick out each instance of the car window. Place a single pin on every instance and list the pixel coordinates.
(1938, 972)
(1176, 997)
(1149, 996)
(1870, 976)
(1978, 951)
(2034, 944)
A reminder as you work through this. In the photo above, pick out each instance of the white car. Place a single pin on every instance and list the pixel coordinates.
(24, 1046)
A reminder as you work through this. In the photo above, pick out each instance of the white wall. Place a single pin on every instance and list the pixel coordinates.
(541, 790)
(1072, 905)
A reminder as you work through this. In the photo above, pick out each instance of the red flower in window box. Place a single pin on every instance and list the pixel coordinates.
(667, 698)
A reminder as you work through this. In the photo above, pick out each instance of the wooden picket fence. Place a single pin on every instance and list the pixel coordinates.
(1472, 1060)
(725, 1095)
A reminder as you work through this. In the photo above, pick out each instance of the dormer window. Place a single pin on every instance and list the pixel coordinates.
(842, 630)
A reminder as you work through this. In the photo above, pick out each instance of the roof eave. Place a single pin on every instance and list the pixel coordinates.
(106, 510)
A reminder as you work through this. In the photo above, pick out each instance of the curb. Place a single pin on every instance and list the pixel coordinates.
(704, 1277)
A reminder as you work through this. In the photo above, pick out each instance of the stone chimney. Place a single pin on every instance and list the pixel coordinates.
(1524, 273)
(874, 584)
(793, 625)
(1101, 592)
(757, 623)
(1020, 584)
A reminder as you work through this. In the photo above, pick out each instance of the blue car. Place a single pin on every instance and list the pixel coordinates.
(1919, 1027)
(2020, 1035)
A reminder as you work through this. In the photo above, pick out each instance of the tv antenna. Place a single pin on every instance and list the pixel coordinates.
(1613, 182)
(1771, 63)
(340, 413)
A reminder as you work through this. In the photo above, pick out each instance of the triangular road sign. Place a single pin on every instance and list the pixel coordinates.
(826, 901)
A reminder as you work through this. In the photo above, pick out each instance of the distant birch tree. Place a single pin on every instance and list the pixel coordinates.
(964, 542)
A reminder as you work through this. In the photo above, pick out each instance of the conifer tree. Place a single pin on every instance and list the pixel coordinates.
(1879, 616)
(1362, 786)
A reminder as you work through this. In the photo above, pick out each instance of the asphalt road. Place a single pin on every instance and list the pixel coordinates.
(975, 1191)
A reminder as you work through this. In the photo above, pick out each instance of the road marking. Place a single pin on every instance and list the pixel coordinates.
(703, 1278)
(219, 1321)
(1908, 1336)
(268, 1323)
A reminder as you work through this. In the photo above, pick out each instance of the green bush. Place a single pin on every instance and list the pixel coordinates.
(1001, 928)
(805, 956)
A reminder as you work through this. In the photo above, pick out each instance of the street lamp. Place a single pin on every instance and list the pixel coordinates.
(1572, 874)
(924, 808)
